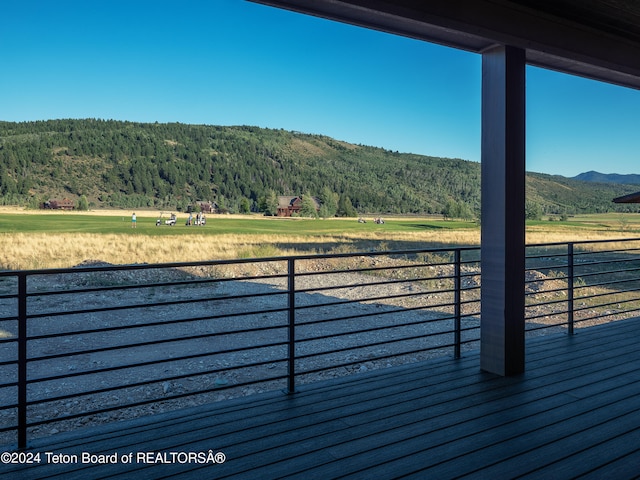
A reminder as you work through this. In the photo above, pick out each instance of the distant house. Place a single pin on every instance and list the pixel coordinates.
(208, 207)
(288, 206)
(64, 204)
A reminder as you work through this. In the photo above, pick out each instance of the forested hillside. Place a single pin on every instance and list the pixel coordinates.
(170, 166)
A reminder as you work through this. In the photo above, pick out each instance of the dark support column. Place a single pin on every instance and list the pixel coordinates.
(503, 200)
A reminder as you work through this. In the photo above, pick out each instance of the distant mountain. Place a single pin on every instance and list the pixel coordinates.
(597, 177)
(108, 163)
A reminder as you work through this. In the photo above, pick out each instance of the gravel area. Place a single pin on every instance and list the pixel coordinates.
(205, 329)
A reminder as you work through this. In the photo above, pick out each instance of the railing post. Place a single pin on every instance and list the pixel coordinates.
(457, 299)
(292, 324)
(570, 275)
(22, 361)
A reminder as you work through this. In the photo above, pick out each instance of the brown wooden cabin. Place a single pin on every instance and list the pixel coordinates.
(290, 205)
(64, 204)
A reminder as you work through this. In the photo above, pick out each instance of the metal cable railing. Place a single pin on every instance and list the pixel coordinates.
(581, 283)
(102, 342)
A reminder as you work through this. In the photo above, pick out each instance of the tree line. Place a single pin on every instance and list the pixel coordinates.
(242, 169)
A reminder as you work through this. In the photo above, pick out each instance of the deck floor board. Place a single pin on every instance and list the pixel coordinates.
(574, 412)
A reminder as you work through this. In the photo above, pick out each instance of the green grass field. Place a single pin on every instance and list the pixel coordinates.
(73, 222)
(595, 222)
(103, 224)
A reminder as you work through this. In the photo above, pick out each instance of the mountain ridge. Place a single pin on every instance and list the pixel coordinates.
(597, 177)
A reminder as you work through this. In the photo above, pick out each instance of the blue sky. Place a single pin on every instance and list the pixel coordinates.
(231, 62)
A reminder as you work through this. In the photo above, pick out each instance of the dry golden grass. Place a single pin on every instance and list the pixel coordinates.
(52, 250)
(33, 251)
(556, 233)
(569, 236)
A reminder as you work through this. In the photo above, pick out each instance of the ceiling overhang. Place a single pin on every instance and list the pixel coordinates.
(598, 39)
(631, 198)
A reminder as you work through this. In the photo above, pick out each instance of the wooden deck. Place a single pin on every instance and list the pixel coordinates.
(574, 413)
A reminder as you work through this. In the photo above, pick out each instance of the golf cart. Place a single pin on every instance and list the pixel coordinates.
(171, 221)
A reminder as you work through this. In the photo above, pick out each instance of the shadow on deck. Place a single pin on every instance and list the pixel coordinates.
(575, 412)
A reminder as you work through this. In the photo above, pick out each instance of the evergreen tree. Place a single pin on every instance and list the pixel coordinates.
(450, 210)
(268, 204)
(245, 205)
(329, 202)
(272, 202)
(346, 208)
(83, 203)
(533, 211)
(308, 207)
